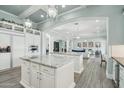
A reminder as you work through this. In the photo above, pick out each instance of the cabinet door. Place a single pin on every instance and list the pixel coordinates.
(25, 72)
(4, 56)
(46, 81)
(121, 77)
(37, 42)
(29, 40)
(18, 50)
(121, 84)
(34, 75)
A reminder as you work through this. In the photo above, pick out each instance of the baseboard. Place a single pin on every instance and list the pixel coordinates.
(24, 85)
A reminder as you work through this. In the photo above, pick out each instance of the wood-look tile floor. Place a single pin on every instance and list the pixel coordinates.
(93, 76)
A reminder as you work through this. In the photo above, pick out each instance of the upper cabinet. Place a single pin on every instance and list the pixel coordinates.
(32, 42)
(11, 26)
(17, 28)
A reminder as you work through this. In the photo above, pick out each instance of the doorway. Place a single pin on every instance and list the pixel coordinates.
(56, 46)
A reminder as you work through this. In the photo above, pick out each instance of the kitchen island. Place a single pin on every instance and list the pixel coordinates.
(49, 71)
(77, 59)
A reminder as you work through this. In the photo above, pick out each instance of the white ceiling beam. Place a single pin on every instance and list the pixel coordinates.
(32, 10)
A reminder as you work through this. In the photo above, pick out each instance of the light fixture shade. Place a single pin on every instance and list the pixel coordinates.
(63, 6)
(52, 12)
(28, 23)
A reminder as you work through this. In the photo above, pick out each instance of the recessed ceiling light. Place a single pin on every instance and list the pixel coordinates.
(97, 20)
(63, 6)
(77, 37)
(67, 32)
(42, 16)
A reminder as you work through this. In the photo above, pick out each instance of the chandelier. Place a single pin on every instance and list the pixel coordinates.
(52, 11)
(28, 23)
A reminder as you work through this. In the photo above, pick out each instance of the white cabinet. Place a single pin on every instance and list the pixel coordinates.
(17, 50)
(116, 72)
(5, 58)
(35, 75)
(28, 42)
(39, 76)
(46, 81)
(37, 42)
(32, 39)
(47, 77)
(5, 61)
(121, 77)
(25, 73)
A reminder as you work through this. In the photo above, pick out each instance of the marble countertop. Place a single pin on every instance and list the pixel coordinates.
(68, 53)
(120, 60)
(52, 61)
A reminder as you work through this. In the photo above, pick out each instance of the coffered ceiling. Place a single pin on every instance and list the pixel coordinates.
(86, 27)
(34, 12)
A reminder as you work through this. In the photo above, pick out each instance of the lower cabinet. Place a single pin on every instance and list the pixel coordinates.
(37, 76)
(118, 74)
(121, 77)
(34, 75)
(25, 73)
(47, 76)
(46, 81)
(5, 60)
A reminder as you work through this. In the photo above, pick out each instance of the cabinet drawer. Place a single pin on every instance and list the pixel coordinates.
(34, 66)
(47, 70)
(121, 68)
(121, 75)
(25, 63)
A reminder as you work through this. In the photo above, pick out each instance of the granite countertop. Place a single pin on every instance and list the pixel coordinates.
(120, 60)
(69, 53)
(52, 61)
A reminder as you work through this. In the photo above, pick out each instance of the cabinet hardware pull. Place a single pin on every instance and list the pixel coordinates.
(40, 73)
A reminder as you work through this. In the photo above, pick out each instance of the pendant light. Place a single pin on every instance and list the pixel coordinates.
(52, 11)
(28, 23)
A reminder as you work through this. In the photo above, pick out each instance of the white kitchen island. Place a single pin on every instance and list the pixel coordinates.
(48, 71)
(77, 59)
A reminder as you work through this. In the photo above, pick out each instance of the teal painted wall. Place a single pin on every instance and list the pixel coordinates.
(114, 13)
